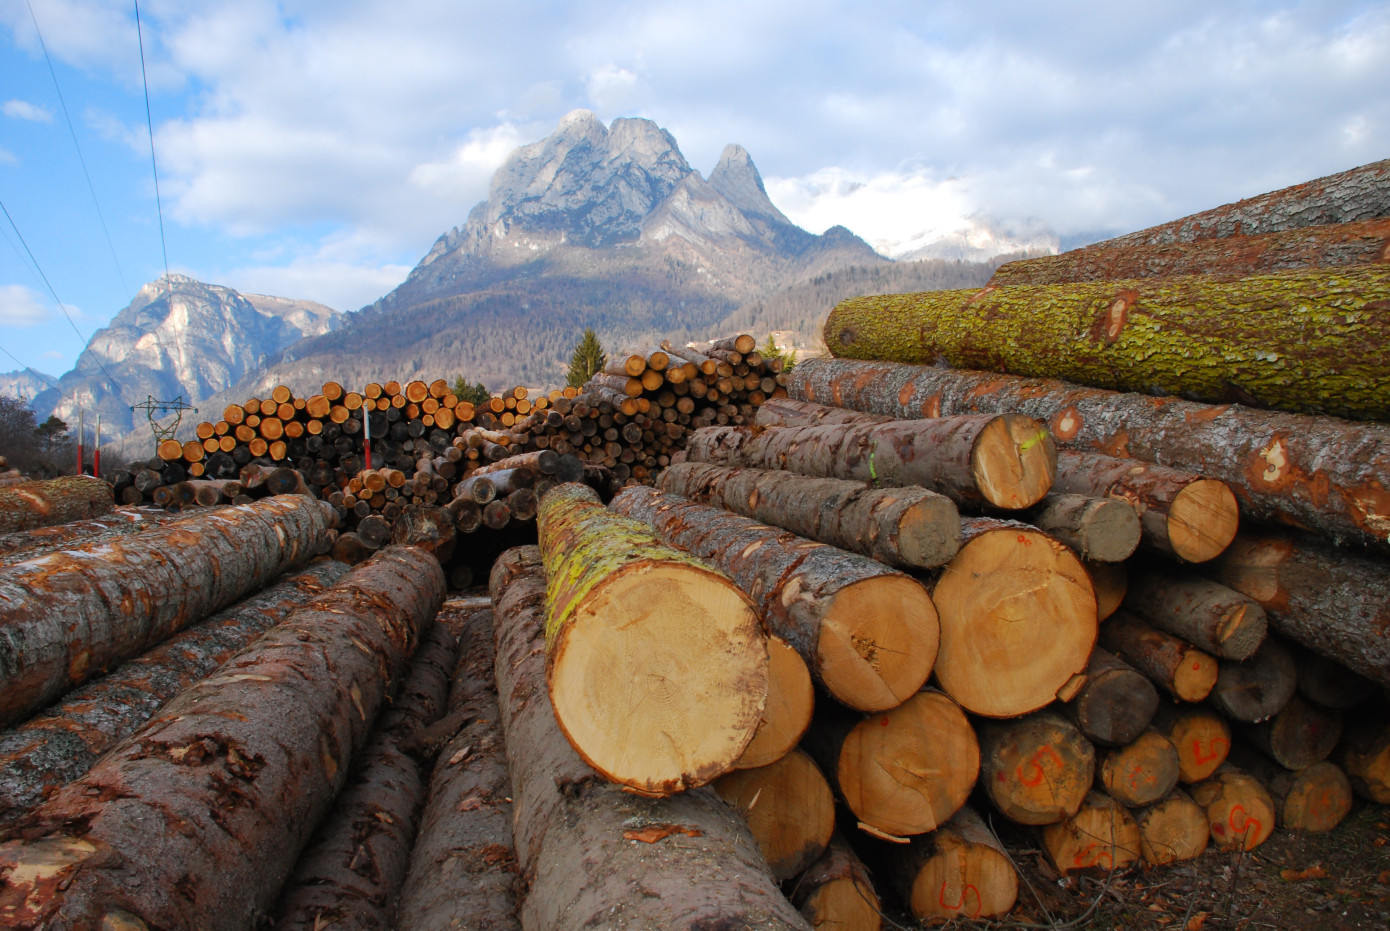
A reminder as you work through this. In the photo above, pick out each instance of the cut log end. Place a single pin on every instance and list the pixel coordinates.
(790, 702)
(789, 809)
(878, 642)
(1102, 835)
(929, 532)
(961, 872)
(1240, 811)
(1202, 520)
(691, 660)
(1014, 462)
(1172, 830)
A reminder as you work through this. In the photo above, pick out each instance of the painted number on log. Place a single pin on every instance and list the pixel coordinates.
(966, 892)
(1215, 749)
(1092, 854)
(1036, 773)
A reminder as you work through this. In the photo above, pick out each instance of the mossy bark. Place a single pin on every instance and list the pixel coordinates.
(1307, 342)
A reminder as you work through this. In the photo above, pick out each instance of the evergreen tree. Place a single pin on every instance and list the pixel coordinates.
(476, 394)
(770, 351)
(588, 359)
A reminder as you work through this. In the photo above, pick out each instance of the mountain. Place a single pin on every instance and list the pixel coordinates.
(978, 239)
(594, 226)
(23, 383)
(179, 338)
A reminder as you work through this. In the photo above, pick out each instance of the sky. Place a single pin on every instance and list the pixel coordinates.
(317, 149)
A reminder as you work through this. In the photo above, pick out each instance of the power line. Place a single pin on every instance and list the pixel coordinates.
(149, 122)
(32, 371)
(73, 132)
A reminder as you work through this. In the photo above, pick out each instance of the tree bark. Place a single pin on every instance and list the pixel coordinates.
(1331, 600)
(1181, 669)
(30, 505)
(1328, 683)
(868, 634)
(1139, 773)
(196, 819)
(837, 891)
(645, 639)
(62, 743)
(1099, 529)
(1298, 736)
(1172, 830)
(897, 526)
(1018, 619)
(1300, 341)
(790, 703)
(24, 545)
(1259, 687)
(1315, 798)
(592, 853)
(1111, 582)
(1116, 703)
(1320, 473)
(1201, 736)
(1211, 617)
(1036, 769)
(1240, 812)
(1365, 755)
(1333, 245)
(1101, 835)
(75, 614)
(789, 809)
(958, 870)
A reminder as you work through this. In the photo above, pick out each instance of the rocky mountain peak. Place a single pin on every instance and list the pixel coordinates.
(737, 178)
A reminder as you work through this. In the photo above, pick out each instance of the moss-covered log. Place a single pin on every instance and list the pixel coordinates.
(30, 505)
(907, 526)
(61, 744)
(1319, 473)
(72, 615)
(1303, 341)
(195, 821)
(646, 639)
(1328, 246)
(1331, 599)
(869, 634)
(591, 853)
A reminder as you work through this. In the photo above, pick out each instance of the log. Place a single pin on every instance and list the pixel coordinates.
(588, 847)
(1018, 619)
(1199, 337)
(30, 505)
(959, 870)
(684, 642)
(1315, 798)
(1101, 835)
(350, 549)
(133, 593)
(1356, 194)
(1319, 473)
(837, 891)
(1099, 529)
(1180, 514)
(789, 809)
(355, 864)
(1298, 735)
(1201, 736)
(1330, 599)
(1172, 830)
(903, 771)
(1259, 687)
(62, 743)
(429, 528)
(1365, 756)
(1328, 683)
(1181, 669)
(240, 783)
(868, 634)
(1002, 460)
(1210, 616)
(1111, 582)
(897, 526)
(1240, 812)
(1116, 703)
(1035, 769)
(790, 704)
(462, 867)
(27, 544)
(1139, 773)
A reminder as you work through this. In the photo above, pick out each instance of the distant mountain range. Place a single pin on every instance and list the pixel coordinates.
(24, 383)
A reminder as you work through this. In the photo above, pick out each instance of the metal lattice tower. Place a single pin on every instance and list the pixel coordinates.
(151, 407)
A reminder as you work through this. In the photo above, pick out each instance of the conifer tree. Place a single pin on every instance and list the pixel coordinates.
(588, 359)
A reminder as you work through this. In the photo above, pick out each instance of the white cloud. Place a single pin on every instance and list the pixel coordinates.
(23, 110)
(465, 174)
(7, 157)
(616, 91)
(22, 307)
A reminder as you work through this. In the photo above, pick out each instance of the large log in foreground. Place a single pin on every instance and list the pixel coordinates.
(1302, 341)
(1318, 473)
(133, 593)
(594, 854)
(197, 819)
(27, 544)
(61, 744)
(30, 505)
(868, 634)
(645, 639)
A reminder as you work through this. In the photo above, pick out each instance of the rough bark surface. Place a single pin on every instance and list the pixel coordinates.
(1116, 703)
(27, 544)
(72, 615)
(463, 870)
(592, 854)
(1301, 341)
(198, 817)
(1219, 620)
(30, 505)
(1318, 473)
(1334, 245)
(868, 634)
(61, 744)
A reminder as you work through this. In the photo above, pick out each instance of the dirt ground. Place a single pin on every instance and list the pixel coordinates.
(1295, 881)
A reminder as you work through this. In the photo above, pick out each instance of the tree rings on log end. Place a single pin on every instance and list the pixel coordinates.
(659, 677)
(789, 808)
(1101, 835)
(1014, 461)
(1202, 520)
(790, 702)
(1240, 811)
(958, 871)
(878, 642)
(1172, 830)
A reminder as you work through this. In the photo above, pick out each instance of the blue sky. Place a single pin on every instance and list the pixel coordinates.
(316, 149)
